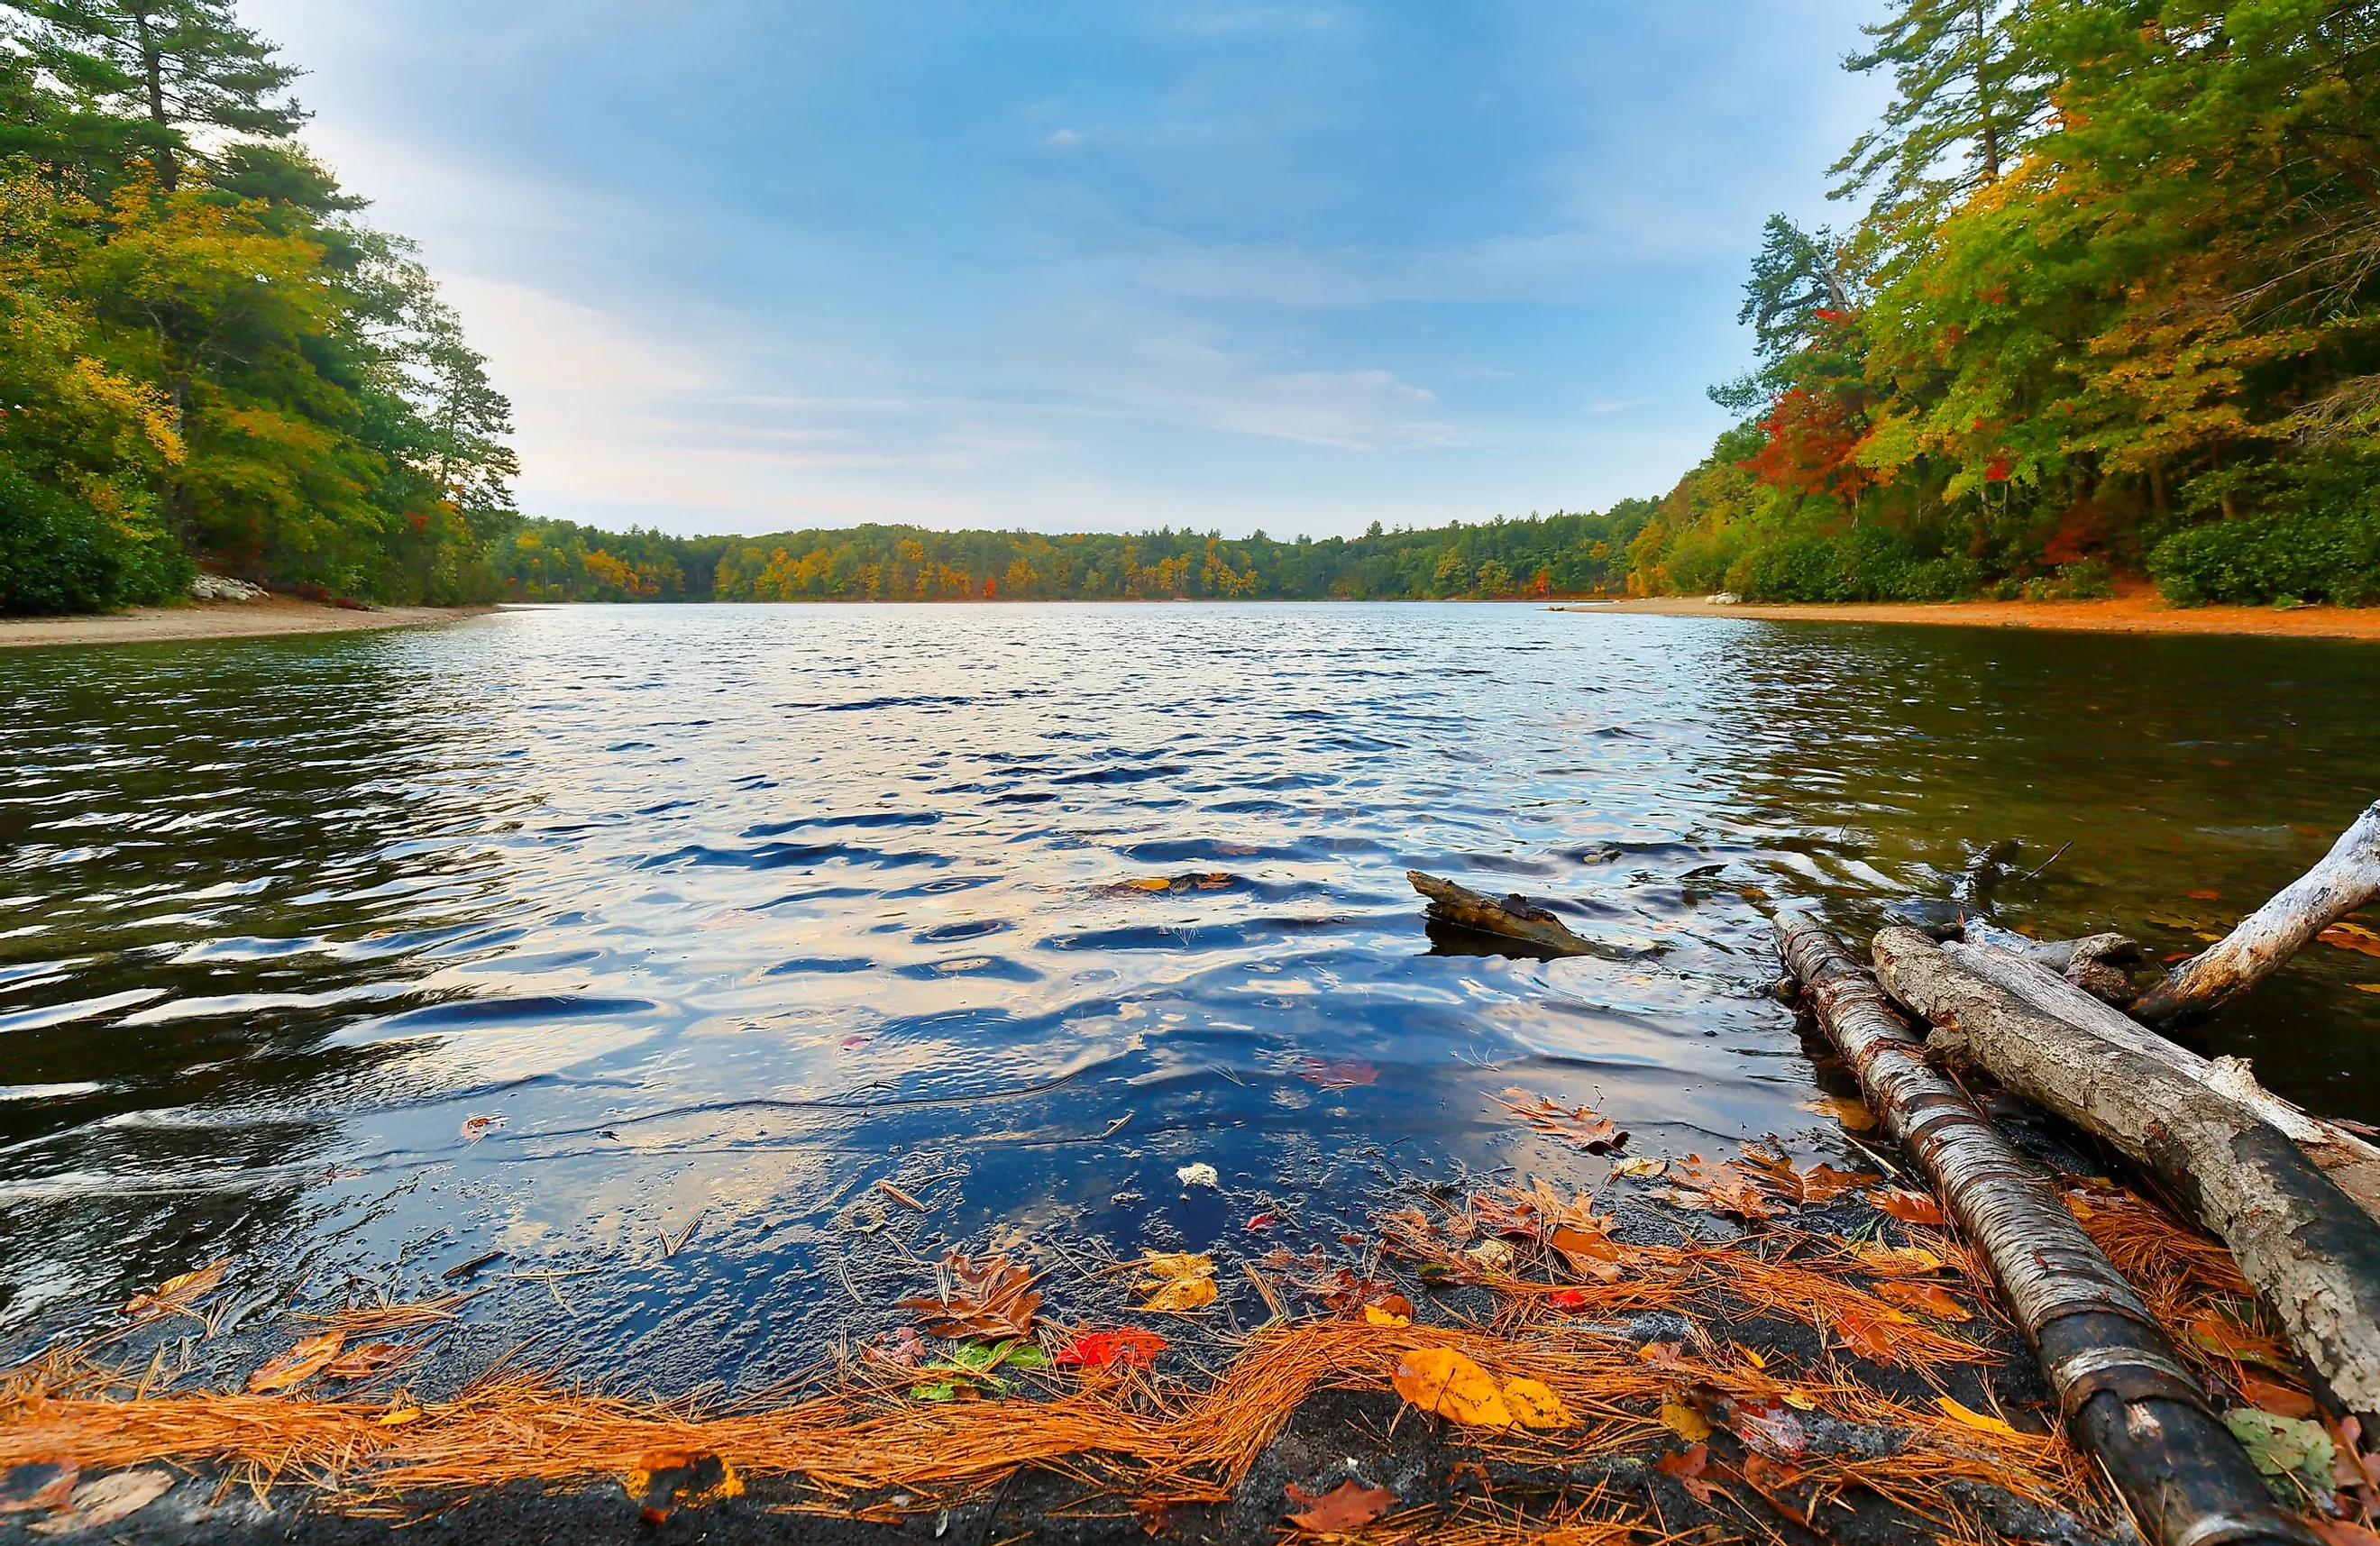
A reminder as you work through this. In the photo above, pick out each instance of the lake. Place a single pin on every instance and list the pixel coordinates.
(640, 943)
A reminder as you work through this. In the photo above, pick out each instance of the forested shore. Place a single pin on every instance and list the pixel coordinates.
(2108, 307)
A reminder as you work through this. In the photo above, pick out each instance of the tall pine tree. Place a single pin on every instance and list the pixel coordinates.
(1967, 91)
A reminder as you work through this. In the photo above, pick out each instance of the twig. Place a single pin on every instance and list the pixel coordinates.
(896, 1194)
(2044, 864)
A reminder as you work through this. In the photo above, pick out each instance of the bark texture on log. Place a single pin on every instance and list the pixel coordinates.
(2348, 878)
(2125, 1393)
(1512, 919)
(2350, 1162)
(2310, 1250)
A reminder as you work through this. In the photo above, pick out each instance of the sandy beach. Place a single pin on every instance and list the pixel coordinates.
(2143, 612)
(218, 620)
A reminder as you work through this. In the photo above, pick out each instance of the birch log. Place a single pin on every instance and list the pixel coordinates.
(2349, 1161)
(2348, 878)
(2123, 1390)
(2311, 1253)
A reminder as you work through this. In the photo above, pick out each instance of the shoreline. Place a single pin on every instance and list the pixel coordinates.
(274, 617)
(2140, 613)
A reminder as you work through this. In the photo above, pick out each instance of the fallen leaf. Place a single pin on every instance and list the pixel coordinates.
(299, 1365)
(1930, 1298)
(1519, 1220)
(39, 1485)
(1909, 1207)
(1798, 1402)
(1871, 1333)
(1567, 1299)
(1442, 1381)
(2367, 987)
(1579, 1125)
(1591, 1253)
(397, 1416)
(1767, 1426)
(1379, 1316)
(477, 1127)
(1849, 1110)
(1535, 1404)
(1646, 1167)
(1347, 1294)
(1260, 1223)
(107, 1500)
(366, 1359)
(1775, 1174)
(1177, 1282)
(1899, 1262)
(1979, 1422)
(1664, 1356)
(175, 1294)
(2348, 936)
(992, 1298)
(2204, 896)
(1128, 1345)
(1690, 1468)
(1335, 1072)
(1725, 1188)
(1494, 1255)
(2285, 1446)
(2268, 1396)
(1348, 1506)
(2219, 1336)
(1681, 1419)
(2338, 1532)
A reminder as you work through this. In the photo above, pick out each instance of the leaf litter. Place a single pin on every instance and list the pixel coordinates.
(1542, 1353)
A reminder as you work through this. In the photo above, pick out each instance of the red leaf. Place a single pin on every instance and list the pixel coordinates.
(1128, 1345)
(1689, 1467)
(1907, 1206)
(1348, 1506)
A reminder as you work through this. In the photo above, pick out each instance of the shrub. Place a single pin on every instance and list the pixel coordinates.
(58, 554)
(2333, 555)
(2083, 581)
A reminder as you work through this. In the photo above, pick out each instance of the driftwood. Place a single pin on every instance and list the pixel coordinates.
(2351, 1163)
(2309, 1250)
(2124, 1392)
(1516, 918)
(2348, 878)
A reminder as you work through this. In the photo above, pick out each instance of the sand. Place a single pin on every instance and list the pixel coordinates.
(2140, 613)
(218, 620)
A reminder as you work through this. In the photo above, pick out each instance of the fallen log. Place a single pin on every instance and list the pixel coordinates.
(2348, 878)
(2311, 1253)
(2350, 1162)
(2121, 1388)
(1516, 918)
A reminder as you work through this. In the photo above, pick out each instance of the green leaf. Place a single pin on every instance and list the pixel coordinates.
(2285, 1448)
(948, 1389)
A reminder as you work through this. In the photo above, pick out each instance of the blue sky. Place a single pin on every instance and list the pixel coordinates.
(748, 266)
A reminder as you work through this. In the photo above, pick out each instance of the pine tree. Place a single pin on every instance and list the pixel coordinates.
(169, 66)
(1967, 89)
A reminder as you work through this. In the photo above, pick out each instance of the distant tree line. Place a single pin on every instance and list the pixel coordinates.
(1548, 555)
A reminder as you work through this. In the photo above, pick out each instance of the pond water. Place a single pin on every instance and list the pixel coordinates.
(723, 915)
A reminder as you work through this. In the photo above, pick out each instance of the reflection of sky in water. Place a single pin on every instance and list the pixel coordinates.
(729, 913)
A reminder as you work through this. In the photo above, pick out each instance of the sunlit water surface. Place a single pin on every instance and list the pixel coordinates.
(724, 915)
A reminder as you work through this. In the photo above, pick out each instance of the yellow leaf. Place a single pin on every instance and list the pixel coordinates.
(1849, 1110)
(1683, 1420)
(1798, 1402)
(1149, 882)
(1379, 1316)
(1899, 1262)
(1535, 1405)
(1178, 1282)
(2367, 987)
(1442, 1381)
(1974, 1419)
(299, 1364)
(1752, 1356)
(400, 1417)
(1643, 1165)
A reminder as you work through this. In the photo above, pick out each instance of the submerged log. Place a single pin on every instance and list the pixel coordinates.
(2123, 1390)
(2348, 878)
(2351, 1163)
(2311, 1253)
(1516, 918)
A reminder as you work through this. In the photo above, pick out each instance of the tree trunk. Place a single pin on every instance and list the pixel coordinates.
(2305, 1245)
(2348, 878)
(2352, 1164)
(1512, 919)
(2123, 1390)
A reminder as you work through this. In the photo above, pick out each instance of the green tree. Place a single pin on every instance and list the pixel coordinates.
(1969, 87)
